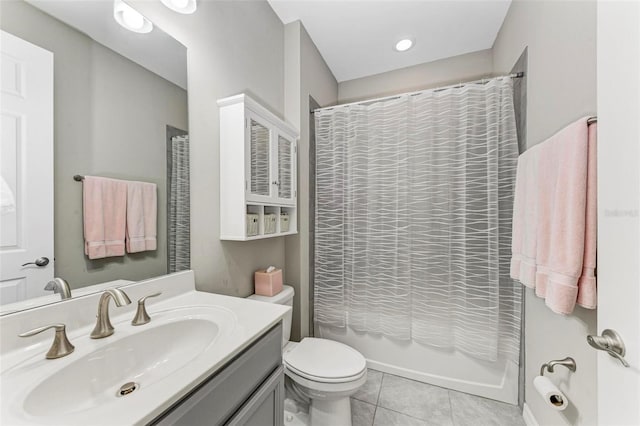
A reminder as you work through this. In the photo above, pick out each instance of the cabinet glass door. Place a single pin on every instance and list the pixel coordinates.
(259, 167)
(286, 162)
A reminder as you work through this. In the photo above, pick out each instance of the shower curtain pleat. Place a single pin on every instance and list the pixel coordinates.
(413, 219)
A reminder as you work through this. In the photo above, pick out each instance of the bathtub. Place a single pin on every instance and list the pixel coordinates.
(449, 369)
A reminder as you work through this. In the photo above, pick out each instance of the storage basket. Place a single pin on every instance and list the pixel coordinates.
(284, 222)
(253, 223)
(270, 223)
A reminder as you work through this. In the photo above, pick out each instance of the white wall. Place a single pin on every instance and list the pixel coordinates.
(110, 116)
(306, 74)
(232, 47)
(442, 72)
(561, 37)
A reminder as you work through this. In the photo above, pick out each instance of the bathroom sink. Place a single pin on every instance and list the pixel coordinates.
(143, 358)
(131, 363)
(138, 373)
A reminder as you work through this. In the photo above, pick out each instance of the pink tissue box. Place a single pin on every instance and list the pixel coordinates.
(268, 283)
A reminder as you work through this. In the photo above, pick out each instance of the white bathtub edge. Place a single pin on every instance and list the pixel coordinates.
(528, 416)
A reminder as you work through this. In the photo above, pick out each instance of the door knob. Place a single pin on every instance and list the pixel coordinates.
(41, 261)
(611, 343)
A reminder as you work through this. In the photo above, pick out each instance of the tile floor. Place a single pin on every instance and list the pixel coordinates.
(388, 400)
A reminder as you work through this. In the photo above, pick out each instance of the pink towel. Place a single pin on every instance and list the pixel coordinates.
(141, 216)
(587, 295)
(554, 222)
(523, 261)
(104, 203)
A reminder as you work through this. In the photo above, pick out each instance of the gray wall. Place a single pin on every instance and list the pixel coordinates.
(442, 72)
(306, 74)
(232, 47)
(561, 40)
(110, 116)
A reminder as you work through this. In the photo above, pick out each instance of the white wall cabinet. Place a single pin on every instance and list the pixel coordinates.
(258, 181)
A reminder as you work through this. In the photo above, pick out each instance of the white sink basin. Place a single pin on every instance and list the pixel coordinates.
(144, 358)
(91, 377)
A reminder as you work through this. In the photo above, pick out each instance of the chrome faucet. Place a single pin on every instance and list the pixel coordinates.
(103, 326)
(60, 286)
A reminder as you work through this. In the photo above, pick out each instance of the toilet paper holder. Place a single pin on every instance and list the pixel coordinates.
(568, 362)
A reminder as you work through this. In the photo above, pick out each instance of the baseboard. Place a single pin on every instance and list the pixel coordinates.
(528, 417)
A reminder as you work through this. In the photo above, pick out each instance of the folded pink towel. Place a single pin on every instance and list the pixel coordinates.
(525, 203)
(587, 295)
(554, 219)
(150, 202)
(104, 203)
(141, 216)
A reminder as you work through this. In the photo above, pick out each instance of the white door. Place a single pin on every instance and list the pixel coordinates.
(26, 167)
(619, 207)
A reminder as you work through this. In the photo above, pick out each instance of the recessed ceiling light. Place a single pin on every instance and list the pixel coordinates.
(404, 45)
(130, 18)
(181, 6)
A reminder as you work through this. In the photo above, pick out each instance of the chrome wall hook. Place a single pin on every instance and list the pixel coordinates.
(568, 362)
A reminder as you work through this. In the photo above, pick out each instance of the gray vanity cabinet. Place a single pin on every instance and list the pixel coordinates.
(248, 391)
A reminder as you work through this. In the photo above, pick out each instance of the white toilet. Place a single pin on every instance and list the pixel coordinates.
(325, 371)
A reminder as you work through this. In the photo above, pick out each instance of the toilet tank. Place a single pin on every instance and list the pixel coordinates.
(285, 297)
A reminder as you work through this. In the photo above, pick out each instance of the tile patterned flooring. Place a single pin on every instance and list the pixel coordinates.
(388, 400)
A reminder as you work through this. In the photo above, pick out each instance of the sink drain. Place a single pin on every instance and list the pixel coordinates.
(127, 388)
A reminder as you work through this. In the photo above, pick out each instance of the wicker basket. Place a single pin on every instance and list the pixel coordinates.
(253, 222)
(284, 222)
(270, 223)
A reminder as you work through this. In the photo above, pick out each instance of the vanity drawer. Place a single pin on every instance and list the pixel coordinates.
(219, 397)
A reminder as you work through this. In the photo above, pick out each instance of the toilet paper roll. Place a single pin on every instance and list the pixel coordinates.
(550, 393)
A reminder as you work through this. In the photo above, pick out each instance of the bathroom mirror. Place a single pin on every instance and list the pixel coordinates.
(119, 111)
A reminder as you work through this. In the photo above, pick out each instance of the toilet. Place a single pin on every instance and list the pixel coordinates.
(325, 371)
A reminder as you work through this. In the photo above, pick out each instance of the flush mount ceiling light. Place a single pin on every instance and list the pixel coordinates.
(403, 45)
(130, 18)
(181, 6)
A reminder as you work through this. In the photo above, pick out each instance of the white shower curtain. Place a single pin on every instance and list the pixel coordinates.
(179, 239)
(413, 219)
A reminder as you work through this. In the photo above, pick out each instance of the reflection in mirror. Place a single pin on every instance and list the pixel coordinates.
(82, 95)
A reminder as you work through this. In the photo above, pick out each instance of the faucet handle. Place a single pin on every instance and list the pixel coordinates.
(61, 345)
(142, 317)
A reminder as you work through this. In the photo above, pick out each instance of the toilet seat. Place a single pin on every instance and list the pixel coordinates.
(324, 361)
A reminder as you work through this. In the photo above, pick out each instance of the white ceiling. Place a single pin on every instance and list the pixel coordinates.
(356, 37)
(156, 51)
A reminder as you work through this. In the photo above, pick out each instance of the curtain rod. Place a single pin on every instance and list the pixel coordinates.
(435, 89)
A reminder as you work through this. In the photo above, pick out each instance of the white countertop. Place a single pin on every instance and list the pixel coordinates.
(23, 365)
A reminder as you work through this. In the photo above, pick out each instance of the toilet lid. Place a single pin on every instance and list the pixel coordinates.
(325, 359)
